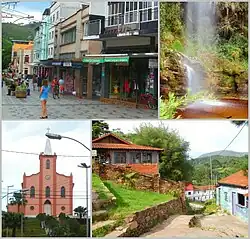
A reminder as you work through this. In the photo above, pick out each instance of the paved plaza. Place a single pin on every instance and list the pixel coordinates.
(68, 107)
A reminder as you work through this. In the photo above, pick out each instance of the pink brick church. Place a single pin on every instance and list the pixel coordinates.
(49, 192)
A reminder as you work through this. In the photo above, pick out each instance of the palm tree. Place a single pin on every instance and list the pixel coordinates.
(12, 220)
(18, 199)
(81, 211)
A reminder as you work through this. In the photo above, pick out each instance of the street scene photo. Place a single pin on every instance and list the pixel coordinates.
(167, 179)
(76, 60)
(204, 60)
(46, 179)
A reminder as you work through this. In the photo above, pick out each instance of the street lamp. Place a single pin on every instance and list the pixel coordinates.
(11, 186)
(84, 165)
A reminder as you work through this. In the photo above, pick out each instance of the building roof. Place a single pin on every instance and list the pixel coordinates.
(120, 144)
(236, 179)
(48, 149)
(22, 45)
(204, 188)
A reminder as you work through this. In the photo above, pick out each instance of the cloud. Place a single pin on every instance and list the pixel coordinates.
(203, 135)
(29, 137)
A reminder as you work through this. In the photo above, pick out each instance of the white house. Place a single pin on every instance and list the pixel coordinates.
(199, 193)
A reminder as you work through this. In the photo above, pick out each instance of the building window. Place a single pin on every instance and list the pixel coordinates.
(226, 196)
(47, 164)
(136, 158)
(131, 12)
(241, 200)
(146, 157)
(53, 17)
(47, 192)
(247, 202)
(148, 11)
(63, 192)
(189, 193)
(26, 59)
(52, 50)
(115, 10)
(57, 15)
(32, 192)
(69, 36)
(32, 208)
(52, 35)
(120, 157)
(62, 208)
(26, 71)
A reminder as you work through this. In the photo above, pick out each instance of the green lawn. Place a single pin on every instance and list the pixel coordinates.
(99, 187)
(129, 201)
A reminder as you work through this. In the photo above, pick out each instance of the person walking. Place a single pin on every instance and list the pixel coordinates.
(39, 82)
(44, 94)
(61, 86)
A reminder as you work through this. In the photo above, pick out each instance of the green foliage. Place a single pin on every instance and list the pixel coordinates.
(99, 127)
(81, 211)
(129, 179)
(99, 187)
(211, 207)
(6, 53)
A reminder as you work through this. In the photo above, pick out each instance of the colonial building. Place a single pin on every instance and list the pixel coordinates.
(48, 191)
(22, 56)
(232, 194)
(113, 150)
(128, 65)
(199, 193)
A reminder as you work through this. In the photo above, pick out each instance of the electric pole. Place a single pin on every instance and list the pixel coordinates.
(7, 197)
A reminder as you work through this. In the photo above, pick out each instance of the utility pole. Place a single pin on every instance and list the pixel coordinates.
(211, 172)
(7, 230)
(22, 215)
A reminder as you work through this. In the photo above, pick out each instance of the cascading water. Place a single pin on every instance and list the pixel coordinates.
(200, 30)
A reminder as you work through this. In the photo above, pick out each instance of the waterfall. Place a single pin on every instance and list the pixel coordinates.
(190, 76)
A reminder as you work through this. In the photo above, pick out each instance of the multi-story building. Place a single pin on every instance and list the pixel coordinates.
(70, 46)
(199, 193)
(22, 56)
(128, 64)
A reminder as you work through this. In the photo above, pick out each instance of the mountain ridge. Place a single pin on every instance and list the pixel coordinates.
(224, 153)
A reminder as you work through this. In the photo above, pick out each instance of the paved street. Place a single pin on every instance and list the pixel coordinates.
(68, 107)
(211, 226)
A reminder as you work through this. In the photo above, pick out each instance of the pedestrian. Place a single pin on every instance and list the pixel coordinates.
(61, 86)
(39, 82)
(44, 94)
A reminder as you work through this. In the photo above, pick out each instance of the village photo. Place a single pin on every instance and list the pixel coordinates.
(204, 60)
(170, 178)
(97, 59)
(46, 179)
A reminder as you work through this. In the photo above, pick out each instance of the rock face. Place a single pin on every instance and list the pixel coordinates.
(142, 221)
(172, 74)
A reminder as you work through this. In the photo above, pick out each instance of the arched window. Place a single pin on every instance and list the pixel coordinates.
(32, 192)
(63, 192)
(47, 192)
(47, 164)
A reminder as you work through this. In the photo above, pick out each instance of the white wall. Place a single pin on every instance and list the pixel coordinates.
(98, 8)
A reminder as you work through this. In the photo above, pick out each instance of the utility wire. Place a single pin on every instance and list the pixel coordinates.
(18, 152)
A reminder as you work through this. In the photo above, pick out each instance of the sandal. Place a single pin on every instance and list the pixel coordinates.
(42, 117)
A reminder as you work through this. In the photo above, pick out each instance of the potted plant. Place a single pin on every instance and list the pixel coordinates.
(21, 91)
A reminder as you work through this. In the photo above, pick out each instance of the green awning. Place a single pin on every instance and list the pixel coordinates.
(105, 59)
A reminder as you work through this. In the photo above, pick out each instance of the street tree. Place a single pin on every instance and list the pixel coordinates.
(80, 211)
(99, 127)
(18, 199)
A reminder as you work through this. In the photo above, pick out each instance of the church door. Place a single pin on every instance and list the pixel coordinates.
(47, 207)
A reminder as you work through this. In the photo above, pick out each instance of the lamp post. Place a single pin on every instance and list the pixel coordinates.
(83, 165)
(7, 230)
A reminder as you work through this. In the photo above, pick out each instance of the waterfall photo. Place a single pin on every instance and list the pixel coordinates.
(204, 60)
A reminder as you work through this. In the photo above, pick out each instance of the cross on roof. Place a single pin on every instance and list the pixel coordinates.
(48, 129)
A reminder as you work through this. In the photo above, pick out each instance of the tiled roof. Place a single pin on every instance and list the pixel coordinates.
(236, 179)
(203, 188)
(110, 134)
(123, 146)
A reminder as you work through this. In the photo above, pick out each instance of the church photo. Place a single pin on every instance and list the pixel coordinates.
(46, 178)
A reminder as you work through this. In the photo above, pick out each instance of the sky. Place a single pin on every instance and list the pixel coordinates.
(25, 8)
(204, 136)
(29, 136)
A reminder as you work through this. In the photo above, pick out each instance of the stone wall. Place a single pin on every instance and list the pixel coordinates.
(142, 221)
(143, 182)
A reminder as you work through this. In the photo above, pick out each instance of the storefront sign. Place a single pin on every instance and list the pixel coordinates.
(67, 64)
(110, 32)
(56, 63)
(77, 65)
(117, 59)
(152, 63)
(130, 29)
(93, 60)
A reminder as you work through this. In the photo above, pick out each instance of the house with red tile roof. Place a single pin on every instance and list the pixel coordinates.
(111, 149)
(199, 193)
(232, 194)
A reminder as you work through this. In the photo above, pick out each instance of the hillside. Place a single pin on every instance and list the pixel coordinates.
(18, 32)
(225, 153)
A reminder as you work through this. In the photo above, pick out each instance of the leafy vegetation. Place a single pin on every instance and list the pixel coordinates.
(129, 201)
(211, 207)
(99, 187)
(224, 60)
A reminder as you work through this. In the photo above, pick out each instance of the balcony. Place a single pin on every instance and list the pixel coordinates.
(92, 29)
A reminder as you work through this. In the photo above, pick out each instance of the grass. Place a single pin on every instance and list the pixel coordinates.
(129, 201)
(99, 187)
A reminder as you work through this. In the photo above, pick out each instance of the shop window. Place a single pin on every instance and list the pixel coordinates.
(26, 59)
(241, 200)
(146, 157)
(32, 192)
(136, 158)
(47, 192)
(119, 157)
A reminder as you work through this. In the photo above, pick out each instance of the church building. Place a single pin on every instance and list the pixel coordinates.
(48, 191)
